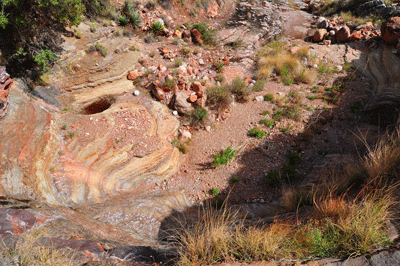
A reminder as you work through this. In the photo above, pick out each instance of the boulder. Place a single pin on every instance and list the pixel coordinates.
(343, 34)
(186, 34)
(197, 87)
(159, 93)
(181, 103)
(356, 35)
(192, 98)
(196, 36)
(390, 30)
(212, 11)
(201, 101)
(324, 24)
(319, 35)
(177, 34)
(133, 75)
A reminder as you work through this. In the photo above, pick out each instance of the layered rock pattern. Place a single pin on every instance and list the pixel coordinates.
(5, 85)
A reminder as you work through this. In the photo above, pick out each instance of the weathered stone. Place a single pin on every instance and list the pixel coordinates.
(390, 30)
(196, 36)
(186, 34)
(133, 75)
(343, 34)
(181, 103)
(159, 93)
(197, 87)
(356, 35)
(212, 11)
(177, 34)
(324, 24)
(319, 35)
(185, 135)
(5, 85)
(192, 98)
(201, 101)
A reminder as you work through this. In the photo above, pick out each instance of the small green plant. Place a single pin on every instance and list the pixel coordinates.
(134, 17)
(259, 85)
(277, 115)
(219, 66)
(271, 124)
(77, 34)
(314, 89)
(265, 112)
(234, 179)
(93, 27)
(239, 88)
(219, 97)
(257, 133)
(199, 114)
(284, 129)
(123, 20)
(64, 127)
(170, 83)
(152, 54)
(101, 49)
(186, 51)
(224, 157)
(178, 62)
(214, 191)
(71, 134)
(157, 27)
(311, 97)
(208, 34)
(264, 121)
(268, 97)
(193, 12)
(45, 58)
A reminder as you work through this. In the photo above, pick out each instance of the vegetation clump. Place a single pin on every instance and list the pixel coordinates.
(224, 157)
(219, 97)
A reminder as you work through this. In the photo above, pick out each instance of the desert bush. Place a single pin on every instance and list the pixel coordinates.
(257, 133)
(123, 20)
(157, 27)
(224, 157)
(199, 115)
(238, 87)
(259, 85)
(219, 97)
(208, 34)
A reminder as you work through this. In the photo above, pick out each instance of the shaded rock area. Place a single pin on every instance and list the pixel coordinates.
(5, 85)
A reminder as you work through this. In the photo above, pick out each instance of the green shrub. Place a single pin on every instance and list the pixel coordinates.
(157, 27)
(178, 62)
(219, 97)
(224, 157)
(214, 191)
(257, 133)
(271, 124)
(264, 121)
(123, 20)
(199, 115)
(45, 59)
(259, 85)
(268, 97)
(208, 34)
(101, 49)
(239, 88)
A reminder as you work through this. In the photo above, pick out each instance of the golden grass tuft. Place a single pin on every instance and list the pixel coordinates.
(309, 76)
(28, 252)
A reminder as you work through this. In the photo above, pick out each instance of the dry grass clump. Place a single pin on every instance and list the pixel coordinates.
(28, 252)
(341, 224)
(338, 228)
(275, 59)
(219, 97)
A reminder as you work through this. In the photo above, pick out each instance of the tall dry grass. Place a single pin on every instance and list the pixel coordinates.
(29, 252)
(342, 224)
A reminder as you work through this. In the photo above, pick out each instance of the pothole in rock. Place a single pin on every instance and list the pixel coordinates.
(384, 115)
(98, 106)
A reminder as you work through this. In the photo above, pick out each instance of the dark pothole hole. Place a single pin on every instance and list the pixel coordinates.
(98, 106)
(384, 115)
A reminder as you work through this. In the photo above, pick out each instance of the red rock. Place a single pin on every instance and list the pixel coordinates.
(294, 49)
(248, 80)
(390, 30)
(177, 34)
(165, 51)
(186, 34)
(196, 86)
(343, 34)
(225, 61)
(159, 93)
(356, 35)
(167, 89)
(192, 98)
(133, 75)
(190, 71)
(196, 36)
(175, 89)
(319, 35)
